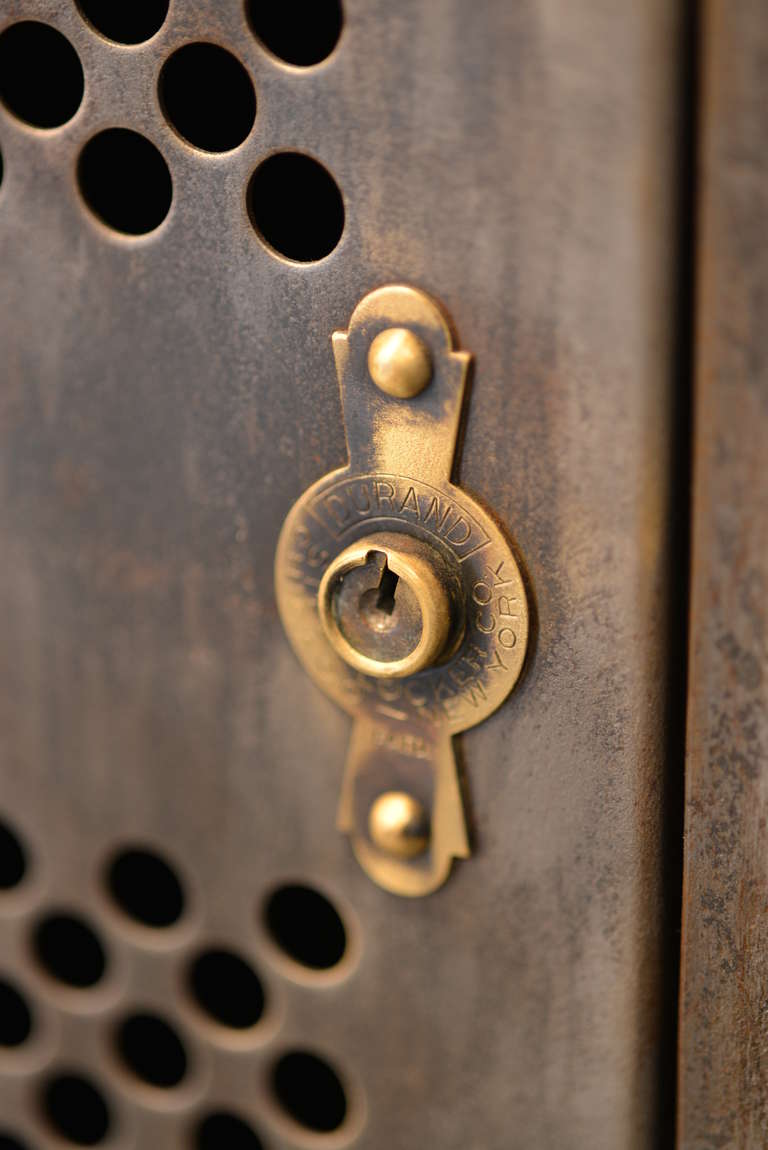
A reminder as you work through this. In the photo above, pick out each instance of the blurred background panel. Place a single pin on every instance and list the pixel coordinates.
(723, 1082)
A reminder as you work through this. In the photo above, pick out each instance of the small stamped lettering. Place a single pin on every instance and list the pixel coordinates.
(369, 497)
(401, 742)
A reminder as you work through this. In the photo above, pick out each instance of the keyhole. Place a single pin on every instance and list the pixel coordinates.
(385, 601)
(380, 606)
(377, 607)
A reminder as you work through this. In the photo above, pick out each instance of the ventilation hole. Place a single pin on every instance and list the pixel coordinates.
(15, 1016)
(227, 989)
(223, 1131)
(145, 888)
(296, 207)
(310, 1091)
(125, 181)
(13, 860)
(76, 1109)
(300, 32)
(41, 78)
(207, 96)
(152, 1050)
(125, 21)
(306, 926)
(9, 1142)
(69, 950)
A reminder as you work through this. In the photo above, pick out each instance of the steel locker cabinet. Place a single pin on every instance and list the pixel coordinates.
(168, 391)
(723, 1093)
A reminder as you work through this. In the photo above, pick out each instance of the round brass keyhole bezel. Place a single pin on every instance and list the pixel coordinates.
(485, 650)
(366, 623)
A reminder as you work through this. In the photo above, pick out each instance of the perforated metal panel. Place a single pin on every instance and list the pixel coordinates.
(164, 399)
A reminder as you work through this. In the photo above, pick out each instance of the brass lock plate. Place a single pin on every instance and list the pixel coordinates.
(399, 593)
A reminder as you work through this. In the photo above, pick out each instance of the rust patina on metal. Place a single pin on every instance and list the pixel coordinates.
(165, 401)
(724, 1001)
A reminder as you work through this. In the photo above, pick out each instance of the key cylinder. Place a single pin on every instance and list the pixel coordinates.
(386, 605)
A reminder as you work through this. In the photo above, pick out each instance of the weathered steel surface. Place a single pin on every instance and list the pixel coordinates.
(724, 1012)
(165, 401)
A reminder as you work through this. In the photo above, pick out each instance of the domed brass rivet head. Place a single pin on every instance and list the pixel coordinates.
(399, 363)
(398, 824)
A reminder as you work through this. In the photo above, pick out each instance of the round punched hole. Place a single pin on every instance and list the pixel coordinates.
(125, 181)
(9, 1142)
(296, 207)
(15, 1016)
(301, 32)
(69, 950)
(225, 1131)
(309, 1090)
(125, 21)
(152, 1050)
(207, 96)
(13, 858)
(227, 989)
(306, 926)
(76, 1109)
(41, 77)
(145, 887)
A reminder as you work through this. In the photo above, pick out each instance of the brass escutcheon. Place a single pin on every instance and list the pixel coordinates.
(399, 593)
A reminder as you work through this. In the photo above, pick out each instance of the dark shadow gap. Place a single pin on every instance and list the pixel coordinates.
(679, 552)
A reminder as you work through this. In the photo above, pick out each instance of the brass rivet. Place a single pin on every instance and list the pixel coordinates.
(398, 824)
(399, 363)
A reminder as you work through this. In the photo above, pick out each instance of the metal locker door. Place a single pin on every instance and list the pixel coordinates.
(201, 957)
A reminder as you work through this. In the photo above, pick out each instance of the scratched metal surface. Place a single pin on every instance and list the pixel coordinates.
(724, 1031)
(165, 401)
